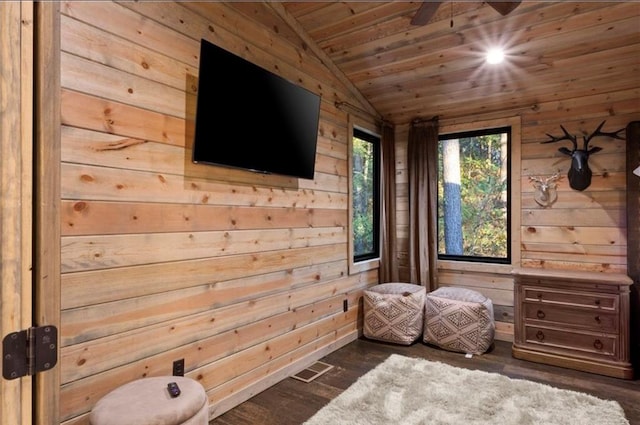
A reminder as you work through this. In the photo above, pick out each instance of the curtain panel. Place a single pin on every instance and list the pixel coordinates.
(422, 163)
(389, 255)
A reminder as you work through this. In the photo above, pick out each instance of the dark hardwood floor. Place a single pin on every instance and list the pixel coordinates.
(291, 402)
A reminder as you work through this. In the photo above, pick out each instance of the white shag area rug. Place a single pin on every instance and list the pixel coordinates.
(409, 391)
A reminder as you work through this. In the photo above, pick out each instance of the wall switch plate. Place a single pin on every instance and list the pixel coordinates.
(178, 367)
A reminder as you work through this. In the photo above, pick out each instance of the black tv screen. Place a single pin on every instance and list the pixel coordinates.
(250, 118)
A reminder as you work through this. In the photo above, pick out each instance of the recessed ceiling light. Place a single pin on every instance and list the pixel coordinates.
(495, 56)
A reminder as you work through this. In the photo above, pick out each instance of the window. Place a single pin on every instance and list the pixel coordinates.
(474, 196)
(365, 183)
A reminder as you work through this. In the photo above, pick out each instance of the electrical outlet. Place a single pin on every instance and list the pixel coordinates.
(345, 305)
(178, 367)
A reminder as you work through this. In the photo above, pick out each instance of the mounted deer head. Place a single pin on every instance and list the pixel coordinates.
(580, 173)
(545, 194)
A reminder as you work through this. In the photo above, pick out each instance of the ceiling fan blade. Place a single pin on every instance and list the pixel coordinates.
(504, 7)
(425, 12)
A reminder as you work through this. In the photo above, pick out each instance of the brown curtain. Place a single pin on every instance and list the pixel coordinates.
(388, 256)
(422, 154)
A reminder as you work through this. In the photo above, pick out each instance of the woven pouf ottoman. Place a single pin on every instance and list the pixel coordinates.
(459, 319)
(147, 401)
(394, 312)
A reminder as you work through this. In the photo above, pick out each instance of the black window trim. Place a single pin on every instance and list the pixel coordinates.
(483, 132)
(375, 142)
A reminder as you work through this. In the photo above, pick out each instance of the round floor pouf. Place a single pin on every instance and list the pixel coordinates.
(459, 319)
(147, 402)
(394, 312)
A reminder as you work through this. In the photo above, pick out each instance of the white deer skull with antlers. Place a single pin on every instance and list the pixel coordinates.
(545, 193)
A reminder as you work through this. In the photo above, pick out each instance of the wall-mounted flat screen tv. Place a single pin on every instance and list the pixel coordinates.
(250, 118)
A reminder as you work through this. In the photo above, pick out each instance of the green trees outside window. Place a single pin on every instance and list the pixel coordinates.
(473, 196)
(365, 195)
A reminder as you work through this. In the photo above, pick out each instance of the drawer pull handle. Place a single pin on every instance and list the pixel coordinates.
(540, 336)
(540, 314)
(540, 297)
(598, 319)
(597, 302)
(597, 344)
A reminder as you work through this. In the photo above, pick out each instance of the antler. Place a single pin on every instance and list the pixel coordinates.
(566, 136)
(597, 133)
(546, 181)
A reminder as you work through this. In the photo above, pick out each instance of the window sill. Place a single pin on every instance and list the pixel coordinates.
(363, 266)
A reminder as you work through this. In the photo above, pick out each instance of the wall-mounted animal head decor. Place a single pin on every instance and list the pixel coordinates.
(580, 173)
(545, 193)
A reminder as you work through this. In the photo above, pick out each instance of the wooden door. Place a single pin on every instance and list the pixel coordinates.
(30, 196)
(16, 171)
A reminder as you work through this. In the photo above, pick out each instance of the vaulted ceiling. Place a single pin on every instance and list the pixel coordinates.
(554, 51)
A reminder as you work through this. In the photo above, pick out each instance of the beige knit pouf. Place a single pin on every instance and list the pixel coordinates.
(394, 312)
(147, 402)
(459, 319)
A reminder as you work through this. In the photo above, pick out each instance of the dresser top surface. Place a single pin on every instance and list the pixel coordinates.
(571, 275)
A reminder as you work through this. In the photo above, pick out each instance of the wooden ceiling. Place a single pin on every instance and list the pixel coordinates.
(554, 50)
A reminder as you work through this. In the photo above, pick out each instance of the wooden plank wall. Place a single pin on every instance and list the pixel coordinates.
(245, 282)
(581, 230)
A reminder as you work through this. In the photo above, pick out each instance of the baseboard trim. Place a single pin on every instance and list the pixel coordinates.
(228, 403)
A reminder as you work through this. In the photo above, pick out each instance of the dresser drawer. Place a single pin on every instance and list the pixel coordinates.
(568, 298)
(574, 341)
(594, 319)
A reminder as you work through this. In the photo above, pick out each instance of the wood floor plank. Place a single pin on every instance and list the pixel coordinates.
(291, 402)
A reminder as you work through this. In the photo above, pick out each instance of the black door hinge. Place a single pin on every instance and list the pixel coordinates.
(29, 351)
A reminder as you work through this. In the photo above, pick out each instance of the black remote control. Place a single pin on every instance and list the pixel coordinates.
(173, 389)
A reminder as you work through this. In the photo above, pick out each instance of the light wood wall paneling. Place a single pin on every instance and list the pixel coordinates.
(96, 217)
(106, 184)
(90, 42)
(83, 384)
(81, 253)
(290, 286)
(87, 288)
(574, 234)
(98, 148)
(614, 260)
(126, 24)
(608, 251)
(585, 217)
(572, 199)
(86, 76)
(94, 113)
(100, 355)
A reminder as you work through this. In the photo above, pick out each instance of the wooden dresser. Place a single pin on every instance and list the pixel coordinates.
(578, 320)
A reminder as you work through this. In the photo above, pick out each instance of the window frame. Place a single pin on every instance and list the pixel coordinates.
(477, 259)
(369, 137)
(359, 266)
(458, 126)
